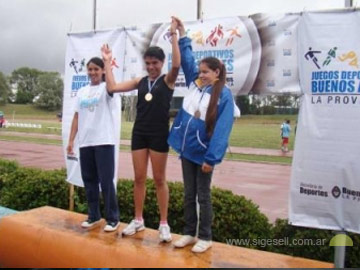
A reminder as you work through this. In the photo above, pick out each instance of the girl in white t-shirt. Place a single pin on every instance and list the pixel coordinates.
(93, 122)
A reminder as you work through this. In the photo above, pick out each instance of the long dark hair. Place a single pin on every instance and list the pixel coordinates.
(99, 62)
(211, 113)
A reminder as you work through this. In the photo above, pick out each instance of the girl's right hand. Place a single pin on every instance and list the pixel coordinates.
(173, 25)
(106, 52)
(180, 26)
(206, 168)
(70, 149)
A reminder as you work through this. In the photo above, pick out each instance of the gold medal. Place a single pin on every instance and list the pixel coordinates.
(148, 97)
(197, 114)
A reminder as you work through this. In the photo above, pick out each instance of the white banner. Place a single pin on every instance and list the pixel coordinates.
(278, 72)
(234, 40)
(325, 179)
(138, 39)
(259, 52)
(80, 49)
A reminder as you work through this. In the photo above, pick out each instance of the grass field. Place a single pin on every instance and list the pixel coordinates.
(257, 131)
(261, 131)
(20, 111)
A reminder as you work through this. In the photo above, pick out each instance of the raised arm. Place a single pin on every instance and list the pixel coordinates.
(170, 78)
(188, 63)
(111, 85)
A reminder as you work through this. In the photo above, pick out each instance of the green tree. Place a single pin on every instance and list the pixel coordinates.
(283, 100)
(244, 104)
(4, 89)
(296, 101)
(24, 79)
(255, 104)
(49, 91)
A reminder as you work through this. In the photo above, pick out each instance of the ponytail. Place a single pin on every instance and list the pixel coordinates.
(211, 113)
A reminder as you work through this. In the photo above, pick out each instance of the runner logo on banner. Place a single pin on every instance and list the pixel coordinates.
(259, 52)
(234, 40)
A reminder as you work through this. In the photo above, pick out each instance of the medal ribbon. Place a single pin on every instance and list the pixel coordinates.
(150, 87)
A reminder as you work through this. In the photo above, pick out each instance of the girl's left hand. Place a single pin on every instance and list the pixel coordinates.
(180, 26)
(206, 168)
(106, 52)
(173, 25)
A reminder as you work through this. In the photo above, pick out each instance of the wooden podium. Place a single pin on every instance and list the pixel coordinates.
(49, 237)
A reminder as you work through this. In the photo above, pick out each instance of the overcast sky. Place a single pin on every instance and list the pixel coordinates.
(33, 32)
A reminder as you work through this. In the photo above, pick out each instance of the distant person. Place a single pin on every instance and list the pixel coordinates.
(2, 119)
(200, 134)
(281, 130)
(151, 128)
(285, 134)
(97, 146)
(59, 116)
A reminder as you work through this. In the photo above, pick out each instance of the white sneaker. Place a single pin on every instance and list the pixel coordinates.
(201, 246)
(134, 227)
(164, 233)
(185, 241)
(88, 224)
(111, 226)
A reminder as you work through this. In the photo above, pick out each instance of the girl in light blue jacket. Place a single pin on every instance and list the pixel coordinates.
(200, 134)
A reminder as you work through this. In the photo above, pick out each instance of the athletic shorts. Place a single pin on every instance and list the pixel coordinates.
(156, 143)
(285, 140)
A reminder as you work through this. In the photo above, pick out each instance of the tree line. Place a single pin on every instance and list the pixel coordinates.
(272, 104)
(32, 86)
(45, 90)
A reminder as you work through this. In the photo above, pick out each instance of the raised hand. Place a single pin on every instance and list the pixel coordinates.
(173, 25)
(180, 26)
(106, 52)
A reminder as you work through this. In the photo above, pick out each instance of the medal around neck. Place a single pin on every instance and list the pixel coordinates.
(148, 97)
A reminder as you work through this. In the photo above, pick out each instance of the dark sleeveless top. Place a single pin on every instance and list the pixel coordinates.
(152, 117)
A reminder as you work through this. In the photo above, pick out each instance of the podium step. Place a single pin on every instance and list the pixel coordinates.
(48, 237)
(6, 211)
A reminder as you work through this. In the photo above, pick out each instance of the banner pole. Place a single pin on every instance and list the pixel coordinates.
(348, 3)
(71, 197)
(199, 10)
(94, 15)
(339, 257)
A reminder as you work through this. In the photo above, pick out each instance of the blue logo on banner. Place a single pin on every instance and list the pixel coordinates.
(78, 81)
(226, 56)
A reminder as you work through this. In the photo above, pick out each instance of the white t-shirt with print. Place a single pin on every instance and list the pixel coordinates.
(96, 123)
